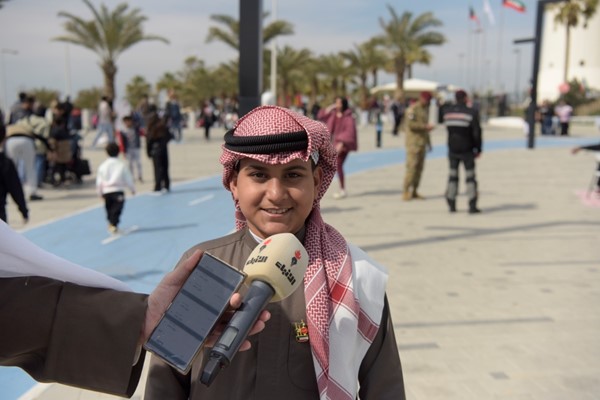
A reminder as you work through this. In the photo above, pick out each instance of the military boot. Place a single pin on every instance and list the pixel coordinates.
(473, 207)
(451, 205)
(417, 196)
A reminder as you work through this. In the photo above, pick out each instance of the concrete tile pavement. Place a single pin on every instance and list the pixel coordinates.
(497, 305)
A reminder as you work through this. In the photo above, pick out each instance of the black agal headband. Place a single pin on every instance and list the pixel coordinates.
(266, 144)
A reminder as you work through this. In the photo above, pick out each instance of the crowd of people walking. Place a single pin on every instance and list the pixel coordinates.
(43, 144)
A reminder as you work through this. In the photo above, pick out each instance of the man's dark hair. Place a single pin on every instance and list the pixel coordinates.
(112, 149)
(460, 96)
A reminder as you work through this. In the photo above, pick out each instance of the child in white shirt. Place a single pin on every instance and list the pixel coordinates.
(112, 179)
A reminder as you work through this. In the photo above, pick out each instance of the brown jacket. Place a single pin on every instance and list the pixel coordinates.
(75, 335)
(277, 366)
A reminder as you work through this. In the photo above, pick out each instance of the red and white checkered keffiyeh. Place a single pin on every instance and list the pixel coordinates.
(340, 330)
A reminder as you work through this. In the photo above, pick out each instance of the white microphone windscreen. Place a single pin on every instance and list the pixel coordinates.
(281, 261)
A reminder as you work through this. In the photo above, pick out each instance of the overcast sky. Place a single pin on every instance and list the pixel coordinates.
(28, 26)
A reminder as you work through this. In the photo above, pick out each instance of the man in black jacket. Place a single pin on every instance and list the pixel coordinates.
(10, 183)
(464, 145)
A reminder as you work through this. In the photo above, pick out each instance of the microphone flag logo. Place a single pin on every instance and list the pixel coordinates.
(264, 245)
(297, 256)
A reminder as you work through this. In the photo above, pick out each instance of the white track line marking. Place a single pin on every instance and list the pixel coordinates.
(201, 200)
(119, 235)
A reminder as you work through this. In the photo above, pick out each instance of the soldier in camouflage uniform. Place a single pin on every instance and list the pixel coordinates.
(417, 143)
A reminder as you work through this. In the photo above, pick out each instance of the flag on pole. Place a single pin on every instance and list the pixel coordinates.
(487, 9)
(473, 16)
(514, 4)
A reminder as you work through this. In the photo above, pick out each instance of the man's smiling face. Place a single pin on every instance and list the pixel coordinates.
(275, 198)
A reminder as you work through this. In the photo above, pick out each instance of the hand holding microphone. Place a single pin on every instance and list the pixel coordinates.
(275, 270)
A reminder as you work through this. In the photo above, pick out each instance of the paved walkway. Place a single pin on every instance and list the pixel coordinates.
(501, 305)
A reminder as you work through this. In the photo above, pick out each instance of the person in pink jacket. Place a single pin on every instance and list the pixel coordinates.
(342, 127)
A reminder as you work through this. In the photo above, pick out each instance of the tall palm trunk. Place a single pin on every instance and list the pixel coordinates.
(400, 69)
(374, 73)
(110, 71)
(364, 92)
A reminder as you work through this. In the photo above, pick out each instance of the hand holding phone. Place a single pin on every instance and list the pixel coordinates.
(195, 311)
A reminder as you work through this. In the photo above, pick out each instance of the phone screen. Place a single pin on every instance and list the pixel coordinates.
(194, 312)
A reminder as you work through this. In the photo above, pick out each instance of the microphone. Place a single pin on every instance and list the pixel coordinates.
(274, 269)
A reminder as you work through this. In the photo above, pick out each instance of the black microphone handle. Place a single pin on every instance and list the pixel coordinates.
(255, 301)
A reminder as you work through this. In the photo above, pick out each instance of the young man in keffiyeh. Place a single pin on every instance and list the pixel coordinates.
(331, 339)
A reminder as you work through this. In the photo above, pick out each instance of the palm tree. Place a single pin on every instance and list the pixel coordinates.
(337, 73)
(136, 89)
(291, 64)
(169, 81)
(403, 37)
(377, 57)
(365, 59)
(228, 77)
(312, 80)
(414, 56)
(231, 34)
(569, 14)
(108, 34)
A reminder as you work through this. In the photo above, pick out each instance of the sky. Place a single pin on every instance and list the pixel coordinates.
(468, 59)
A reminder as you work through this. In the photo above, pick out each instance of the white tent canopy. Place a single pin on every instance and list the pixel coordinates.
(414, 85)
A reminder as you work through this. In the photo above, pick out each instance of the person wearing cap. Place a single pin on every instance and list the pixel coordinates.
(333, 338)
(464, 146)
(417, 143)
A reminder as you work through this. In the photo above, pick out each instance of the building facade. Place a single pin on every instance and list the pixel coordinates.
(584, 55)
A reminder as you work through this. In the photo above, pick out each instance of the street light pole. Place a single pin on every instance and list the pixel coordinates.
(517, 73)
(274, 55)
(250, 69)
(461, 72)
(67, 71)
(2, 53)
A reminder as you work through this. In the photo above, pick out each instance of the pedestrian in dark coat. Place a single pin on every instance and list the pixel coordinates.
(10, 183)
(464, 145)
(157, 139)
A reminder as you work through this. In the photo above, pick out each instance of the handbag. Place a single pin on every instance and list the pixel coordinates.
(82, 167)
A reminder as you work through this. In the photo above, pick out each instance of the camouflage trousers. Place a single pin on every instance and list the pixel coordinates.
(415, 161)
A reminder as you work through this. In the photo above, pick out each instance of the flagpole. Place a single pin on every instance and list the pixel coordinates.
(499, 63)
(483, 56)
(482, 91)
(476, 59)
(468, 58)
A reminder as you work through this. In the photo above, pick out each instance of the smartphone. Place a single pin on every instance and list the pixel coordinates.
(194, 312)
